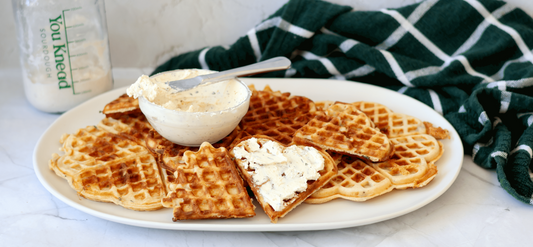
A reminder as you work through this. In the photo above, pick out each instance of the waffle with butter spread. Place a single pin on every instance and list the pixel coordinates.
(208, 186)
(277, 186)
(103, 166)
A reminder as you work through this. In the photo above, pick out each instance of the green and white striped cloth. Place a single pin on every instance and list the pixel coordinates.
(469, 60)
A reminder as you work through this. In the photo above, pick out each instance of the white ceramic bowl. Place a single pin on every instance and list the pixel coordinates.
(194, 128)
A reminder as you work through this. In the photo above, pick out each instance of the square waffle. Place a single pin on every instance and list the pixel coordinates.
(208, 187)
(106, 167)
(343, 128)
(276, 207)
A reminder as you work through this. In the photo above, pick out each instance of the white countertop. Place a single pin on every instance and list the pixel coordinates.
(475, 211)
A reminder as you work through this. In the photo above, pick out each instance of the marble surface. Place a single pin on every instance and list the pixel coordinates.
(475, 211)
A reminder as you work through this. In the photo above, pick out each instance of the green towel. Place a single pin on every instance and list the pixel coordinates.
(469, 60)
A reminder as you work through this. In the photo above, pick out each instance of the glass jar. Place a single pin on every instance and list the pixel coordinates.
(64, 51)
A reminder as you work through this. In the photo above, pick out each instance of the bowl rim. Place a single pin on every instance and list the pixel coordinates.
(247, 99)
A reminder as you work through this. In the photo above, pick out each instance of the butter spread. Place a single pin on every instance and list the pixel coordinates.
(279, 172)
(204, 98)
(206, 113)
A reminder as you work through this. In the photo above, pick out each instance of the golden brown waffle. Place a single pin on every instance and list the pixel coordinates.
(343, 128)
(135, 128)
(355, 180)
(208, 187)
(422, 145)
(123, 105)
(170, 155)
(378, 113)
(267, 104)
(323, 105)
(397, 124)
(413, 162)
(436, 132)
(329, 170)
(412, 166)
(407, 170)
(280, 129)
(402, 125)
(106, 167)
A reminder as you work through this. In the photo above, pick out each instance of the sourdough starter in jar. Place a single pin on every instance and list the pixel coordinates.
(64, 51)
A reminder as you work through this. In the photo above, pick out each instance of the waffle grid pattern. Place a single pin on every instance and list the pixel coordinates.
(208, 187)
(355, 181)
(345, 129)
(106, 167)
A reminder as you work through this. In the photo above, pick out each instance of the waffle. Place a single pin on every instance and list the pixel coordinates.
(378, 113)
(413, 162)
(323, 105)
(280, 129)
(436, 132)
(170, 155)
(423, 145)
(407, 172)
(343, 128)
(290, 199)
(356, 181)
(398, 124)
(135, 128)
(412, 166)
(402, 125)
(208, 187)
(103, 166)
(267, 104)
(123, 105)
(275, 114)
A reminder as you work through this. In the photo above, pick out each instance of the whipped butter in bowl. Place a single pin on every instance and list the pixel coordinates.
(205, 113)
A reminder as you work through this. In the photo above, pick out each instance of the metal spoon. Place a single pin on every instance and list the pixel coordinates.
(273, 64)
